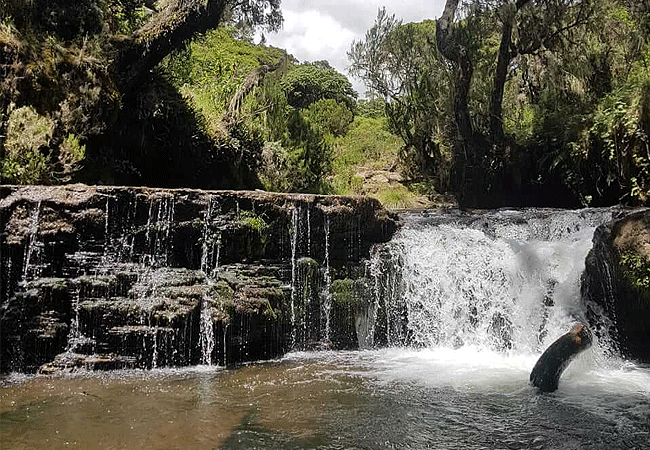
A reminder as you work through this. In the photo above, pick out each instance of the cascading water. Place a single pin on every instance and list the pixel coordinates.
(450, 316)
(34, 248)
(326, 296)
(505, 281)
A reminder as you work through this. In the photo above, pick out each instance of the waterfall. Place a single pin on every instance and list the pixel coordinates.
(295, 234)
(34, 249)
(117, 277)
(326, 295)
(503, 281)
(210, 248)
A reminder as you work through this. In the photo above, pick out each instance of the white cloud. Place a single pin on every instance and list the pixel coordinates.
(316, 30)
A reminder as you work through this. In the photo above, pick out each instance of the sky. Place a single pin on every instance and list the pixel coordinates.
(317, 30)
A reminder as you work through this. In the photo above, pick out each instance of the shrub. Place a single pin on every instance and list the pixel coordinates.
(28, 137)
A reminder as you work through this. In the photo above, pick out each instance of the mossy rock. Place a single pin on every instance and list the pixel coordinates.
(636, 269)
(350, 292)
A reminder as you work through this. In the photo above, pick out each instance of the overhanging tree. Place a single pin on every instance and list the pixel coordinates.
(527, 27)
(179, 21)
(77, 63)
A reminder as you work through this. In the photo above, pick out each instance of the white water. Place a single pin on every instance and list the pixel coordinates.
(463, 287)
(505, 281)
(485, 294)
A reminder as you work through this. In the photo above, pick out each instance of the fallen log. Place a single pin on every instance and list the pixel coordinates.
(556, 358)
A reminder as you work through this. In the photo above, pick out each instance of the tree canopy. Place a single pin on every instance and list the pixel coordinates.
(75, 65)
(518, 102)
(522, 95)
(308, 83)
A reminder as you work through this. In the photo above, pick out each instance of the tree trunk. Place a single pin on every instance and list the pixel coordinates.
(461, 111)
(549, 367)
(450, 49)
(167, 31)
(496, 100)
(508, 13)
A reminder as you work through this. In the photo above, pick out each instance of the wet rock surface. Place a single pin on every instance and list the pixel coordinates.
(616, 283)
(119, 277)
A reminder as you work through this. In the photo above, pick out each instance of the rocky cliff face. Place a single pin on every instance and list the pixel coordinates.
(112, 277)
(616, 283)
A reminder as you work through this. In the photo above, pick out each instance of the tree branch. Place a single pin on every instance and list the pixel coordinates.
(168, 30)
(253, 79)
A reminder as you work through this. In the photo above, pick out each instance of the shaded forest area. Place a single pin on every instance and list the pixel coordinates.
(527, 102)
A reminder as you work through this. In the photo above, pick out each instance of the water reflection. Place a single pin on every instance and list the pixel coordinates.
(393, 398)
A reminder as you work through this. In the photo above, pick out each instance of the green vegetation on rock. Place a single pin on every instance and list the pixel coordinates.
(636, 269)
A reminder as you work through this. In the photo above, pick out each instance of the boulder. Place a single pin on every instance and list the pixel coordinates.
(616, 283)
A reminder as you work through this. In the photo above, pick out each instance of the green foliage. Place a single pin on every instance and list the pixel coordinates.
(28, 136)
(636, 270)
(368, 144)
(396, 198)
(308, 83)
(607, 157)
(255, 225)
(373, 108)
(293, 143)
(400, 62)
(59, 56)
(242, 148)
(211, 69)
(329, 116)
(274, 167)
(71, 155)
(72, 19)
(309, 155)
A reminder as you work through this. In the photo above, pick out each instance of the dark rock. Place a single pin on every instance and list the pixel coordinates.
(616, 283)
(352, 304)
(134, 277)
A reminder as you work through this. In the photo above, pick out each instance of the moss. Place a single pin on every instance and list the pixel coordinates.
(253, 222)
(223, 291)
(253, 234)
(184, 292)
(349, 292)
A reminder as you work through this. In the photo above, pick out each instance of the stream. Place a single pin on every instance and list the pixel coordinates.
(466, 302)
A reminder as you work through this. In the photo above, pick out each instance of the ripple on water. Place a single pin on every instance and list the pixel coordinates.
(390, 398)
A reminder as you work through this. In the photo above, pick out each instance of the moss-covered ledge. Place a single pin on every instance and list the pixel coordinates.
(140, 277)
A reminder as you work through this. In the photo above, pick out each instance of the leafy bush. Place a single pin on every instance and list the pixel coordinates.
(613, 153)
(309, 155)
(369, 144)
(329, 116)
(636, 269)
(308, 83)
(29, 135)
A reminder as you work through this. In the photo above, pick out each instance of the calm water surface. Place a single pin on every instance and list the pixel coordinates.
(391, 398)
